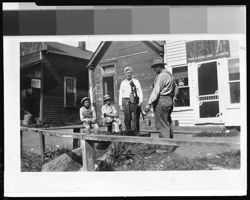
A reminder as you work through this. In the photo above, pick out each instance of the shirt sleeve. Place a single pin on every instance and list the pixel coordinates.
(103, 111)
(93, 113)
(157, 88)
(82, 118)
(81, 115)
(114, 110)
(120, 94)
(139, 92)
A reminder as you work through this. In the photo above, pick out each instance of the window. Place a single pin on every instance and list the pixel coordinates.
(108, 72)
(108, 87)
(69, 91)
(234, 80)
(181, 78)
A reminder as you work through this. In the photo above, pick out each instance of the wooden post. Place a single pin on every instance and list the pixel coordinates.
(41, 92)
(21, 142)
(88, 161)
(76, 141)
(42, 145)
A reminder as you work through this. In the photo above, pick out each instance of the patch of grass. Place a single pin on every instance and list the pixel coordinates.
(227, 160)
(224, 133)
(144, 157)
(32, 162)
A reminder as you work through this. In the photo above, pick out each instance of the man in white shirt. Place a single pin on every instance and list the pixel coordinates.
(125, 99)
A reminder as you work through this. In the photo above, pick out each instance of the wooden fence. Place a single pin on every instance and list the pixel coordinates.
(86, 141)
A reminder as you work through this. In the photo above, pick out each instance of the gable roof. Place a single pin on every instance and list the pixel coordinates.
(59, 48)
(103, 47)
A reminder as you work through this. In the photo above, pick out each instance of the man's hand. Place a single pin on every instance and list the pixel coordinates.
(147, 108)
(121, 108)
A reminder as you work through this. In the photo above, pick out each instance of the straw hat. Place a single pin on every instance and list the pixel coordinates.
(106, 97)
(84, 99)
(128, 68)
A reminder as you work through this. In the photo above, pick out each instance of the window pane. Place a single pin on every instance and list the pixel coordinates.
(70, 92)
(108, 87)
(70, 99)
(183, 97)
(69, 85)
(209, 109)
(235, 92)
(181, 75)
(108, 69)
(234, 69)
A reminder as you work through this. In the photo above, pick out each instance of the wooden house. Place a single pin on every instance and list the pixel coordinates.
(53, 79)
(206, 71)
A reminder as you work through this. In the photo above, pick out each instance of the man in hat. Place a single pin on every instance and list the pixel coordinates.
(162, 98)
(88, 116)
(110, 115)
(125, 95)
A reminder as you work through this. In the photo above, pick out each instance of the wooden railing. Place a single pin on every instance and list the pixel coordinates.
(86, 141)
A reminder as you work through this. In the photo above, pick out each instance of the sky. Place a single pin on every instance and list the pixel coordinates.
(91, 46)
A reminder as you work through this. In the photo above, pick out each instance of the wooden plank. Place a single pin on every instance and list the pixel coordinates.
(42, 145)
(53, 133)
(159, 141)
(88, 162)
(76, 141)
(21, 142)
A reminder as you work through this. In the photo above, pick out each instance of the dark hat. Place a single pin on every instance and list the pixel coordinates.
(158, 61)
(84, 99)
(106, 97)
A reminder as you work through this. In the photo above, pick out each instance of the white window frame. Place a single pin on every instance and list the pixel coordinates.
(234, 81)
(74, 90)
(180, 108)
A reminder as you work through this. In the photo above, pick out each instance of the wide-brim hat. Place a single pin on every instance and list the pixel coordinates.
(106, 97)
(84, 99)
(158, 61)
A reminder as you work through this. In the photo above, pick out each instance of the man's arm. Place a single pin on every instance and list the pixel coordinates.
(139, 92)
(157, 88)
(120, 94)
(93, 114)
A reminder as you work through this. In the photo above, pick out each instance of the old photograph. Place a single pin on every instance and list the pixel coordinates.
(139, 105)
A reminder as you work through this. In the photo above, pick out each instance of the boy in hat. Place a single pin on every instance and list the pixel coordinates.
(88, 116)
(110, 116)
(162, 98)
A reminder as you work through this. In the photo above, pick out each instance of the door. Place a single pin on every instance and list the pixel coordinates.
(208, 95)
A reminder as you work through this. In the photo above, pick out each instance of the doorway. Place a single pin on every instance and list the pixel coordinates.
(208, 95)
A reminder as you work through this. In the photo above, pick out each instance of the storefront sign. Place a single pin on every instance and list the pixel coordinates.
(35, 83)
(201, 50)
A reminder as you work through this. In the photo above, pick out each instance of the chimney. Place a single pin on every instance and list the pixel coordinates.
(82, 45)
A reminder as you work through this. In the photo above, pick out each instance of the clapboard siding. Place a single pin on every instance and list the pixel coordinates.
(175, 52)
(56, 67)
(231, 117)
(234, 48)
(185, 117)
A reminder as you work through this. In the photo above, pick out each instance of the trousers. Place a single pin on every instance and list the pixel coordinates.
(163, 108)
(128, 115)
